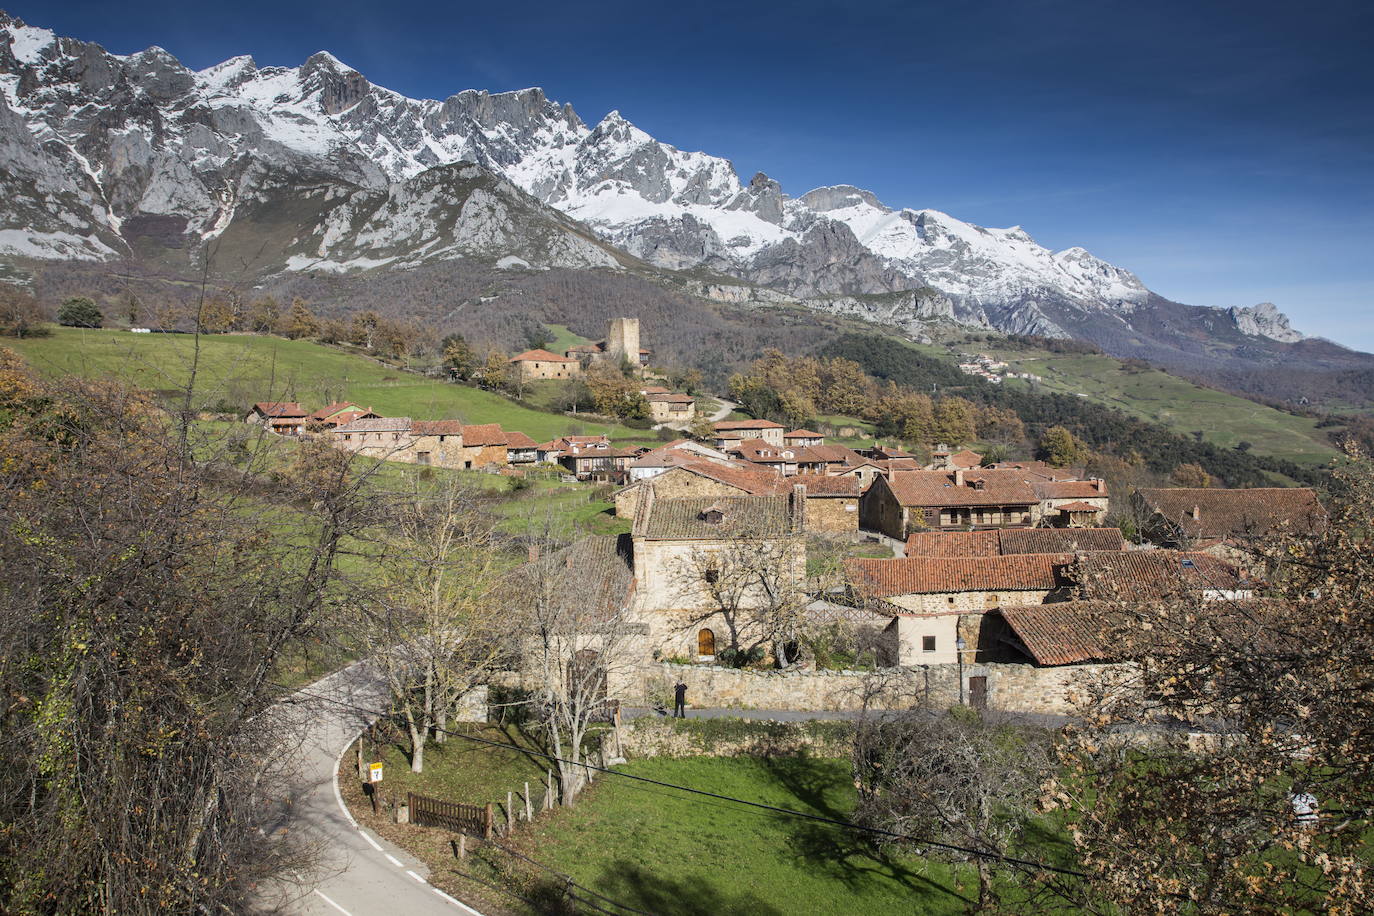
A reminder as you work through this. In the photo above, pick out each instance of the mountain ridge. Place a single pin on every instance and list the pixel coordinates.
(154, 160)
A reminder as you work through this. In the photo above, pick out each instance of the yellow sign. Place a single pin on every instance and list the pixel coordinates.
(374, 772)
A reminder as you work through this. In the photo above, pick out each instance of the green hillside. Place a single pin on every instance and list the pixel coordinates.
(1150, 394)
(237, 369)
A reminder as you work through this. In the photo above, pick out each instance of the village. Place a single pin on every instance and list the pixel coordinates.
(986, 576)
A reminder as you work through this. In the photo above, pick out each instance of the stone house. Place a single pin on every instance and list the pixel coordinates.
(914, 500)
(534, 365)
(440, 443)
(1206, 517)
(832, 503)
(685, 549)
(667, 407)
(786, 460)
(799, 437)
(286, 418)
(731, 434)
(699, 477)
(601, 462)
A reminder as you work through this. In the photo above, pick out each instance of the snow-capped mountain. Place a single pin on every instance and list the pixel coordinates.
(110, 156)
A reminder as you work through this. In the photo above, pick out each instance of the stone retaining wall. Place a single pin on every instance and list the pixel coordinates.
(1011, 687)
(657, 737)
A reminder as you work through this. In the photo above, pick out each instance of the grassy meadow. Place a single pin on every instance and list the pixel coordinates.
(235, 370)
(1151, 394)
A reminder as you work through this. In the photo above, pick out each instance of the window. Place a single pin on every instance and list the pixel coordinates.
(927, 643)
(711, 575)
(950, 599)
(422, 457)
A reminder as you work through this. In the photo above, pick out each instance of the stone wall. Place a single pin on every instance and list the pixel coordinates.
(655, 736)
(969, 602)
(532, 370)
(832, 514)
(1011, 686)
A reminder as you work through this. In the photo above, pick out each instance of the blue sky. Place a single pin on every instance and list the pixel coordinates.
(1223, 151)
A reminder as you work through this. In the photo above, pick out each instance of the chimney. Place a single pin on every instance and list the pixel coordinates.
(958, 477)
(1099, 485)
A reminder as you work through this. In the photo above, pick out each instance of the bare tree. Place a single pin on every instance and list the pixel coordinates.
(959, 778)
(434, 627)
(755, 584)
(574, 611)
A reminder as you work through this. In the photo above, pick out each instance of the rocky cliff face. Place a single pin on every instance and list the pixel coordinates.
(108, 156)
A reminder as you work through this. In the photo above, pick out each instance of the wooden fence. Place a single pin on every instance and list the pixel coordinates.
(475, 820)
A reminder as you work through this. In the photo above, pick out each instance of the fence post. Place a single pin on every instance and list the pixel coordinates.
(462, 846)
(529, 814)
(488, 819)
(548, 793)
(510, 812)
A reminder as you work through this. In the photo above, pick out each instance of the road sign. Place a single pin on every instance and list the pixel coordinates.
(374, 772)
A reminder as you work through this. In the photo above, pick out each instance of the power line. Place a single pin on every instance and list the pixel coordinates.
(834, 822)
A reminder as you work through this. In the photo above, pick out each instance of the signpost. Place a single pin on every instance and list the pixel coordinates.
(374, 776)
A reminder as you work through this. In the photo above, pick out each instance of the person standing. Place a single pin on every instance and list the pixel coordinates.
(680, 700)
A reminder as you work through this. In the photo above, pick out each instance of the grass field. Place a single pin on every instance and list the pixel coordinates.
(237, 369)
(668, 852)
(1150, 394)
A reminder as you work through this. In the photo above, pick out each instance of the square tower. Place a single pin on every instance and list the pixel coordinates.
(622, 340)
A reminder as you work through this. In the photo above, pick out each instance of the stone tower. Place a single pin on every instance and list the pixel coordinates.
(622, 340)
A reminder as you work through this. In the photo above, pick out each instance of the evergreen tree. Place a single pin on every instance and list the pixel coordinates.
(80, 312)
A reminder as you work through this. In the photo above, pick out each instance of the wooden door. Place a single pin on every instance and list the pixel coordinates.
(978, 692)
(706, 643)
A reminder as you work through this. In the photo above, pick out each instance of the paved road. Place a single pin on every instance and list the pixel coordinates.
(359, 874)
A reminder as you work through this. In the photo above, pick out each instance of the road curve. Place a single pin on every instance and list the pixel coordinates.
(357, 873)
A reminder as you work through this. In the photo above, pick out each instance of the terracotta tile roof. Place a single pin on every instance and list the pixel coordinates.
(966, 459)
(826, 485)
(726, 425)
(519, 440)
(484, 434)
(376, 425)
(1066, 632)
(280, 409)
(890, 451)
(803, 434)
(667, 397)
(1060, 540)
(937, 488)
(838, 454)
(753, 481)
(348, 416)
(1007, 541)
(940, 575)
(1068, 489)
(1152, 573)
(954, 544)
(1237, 513)
(542, 356)
(740, 517)
(438, 428)
(653, 389)
(1070, 632)
(1077, 507)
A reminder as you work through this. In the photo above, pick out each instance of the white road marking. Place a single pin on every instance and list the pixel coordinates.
(332, 903)
(416, 877)
(375, 845)
(393, 860)
(456, 902)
